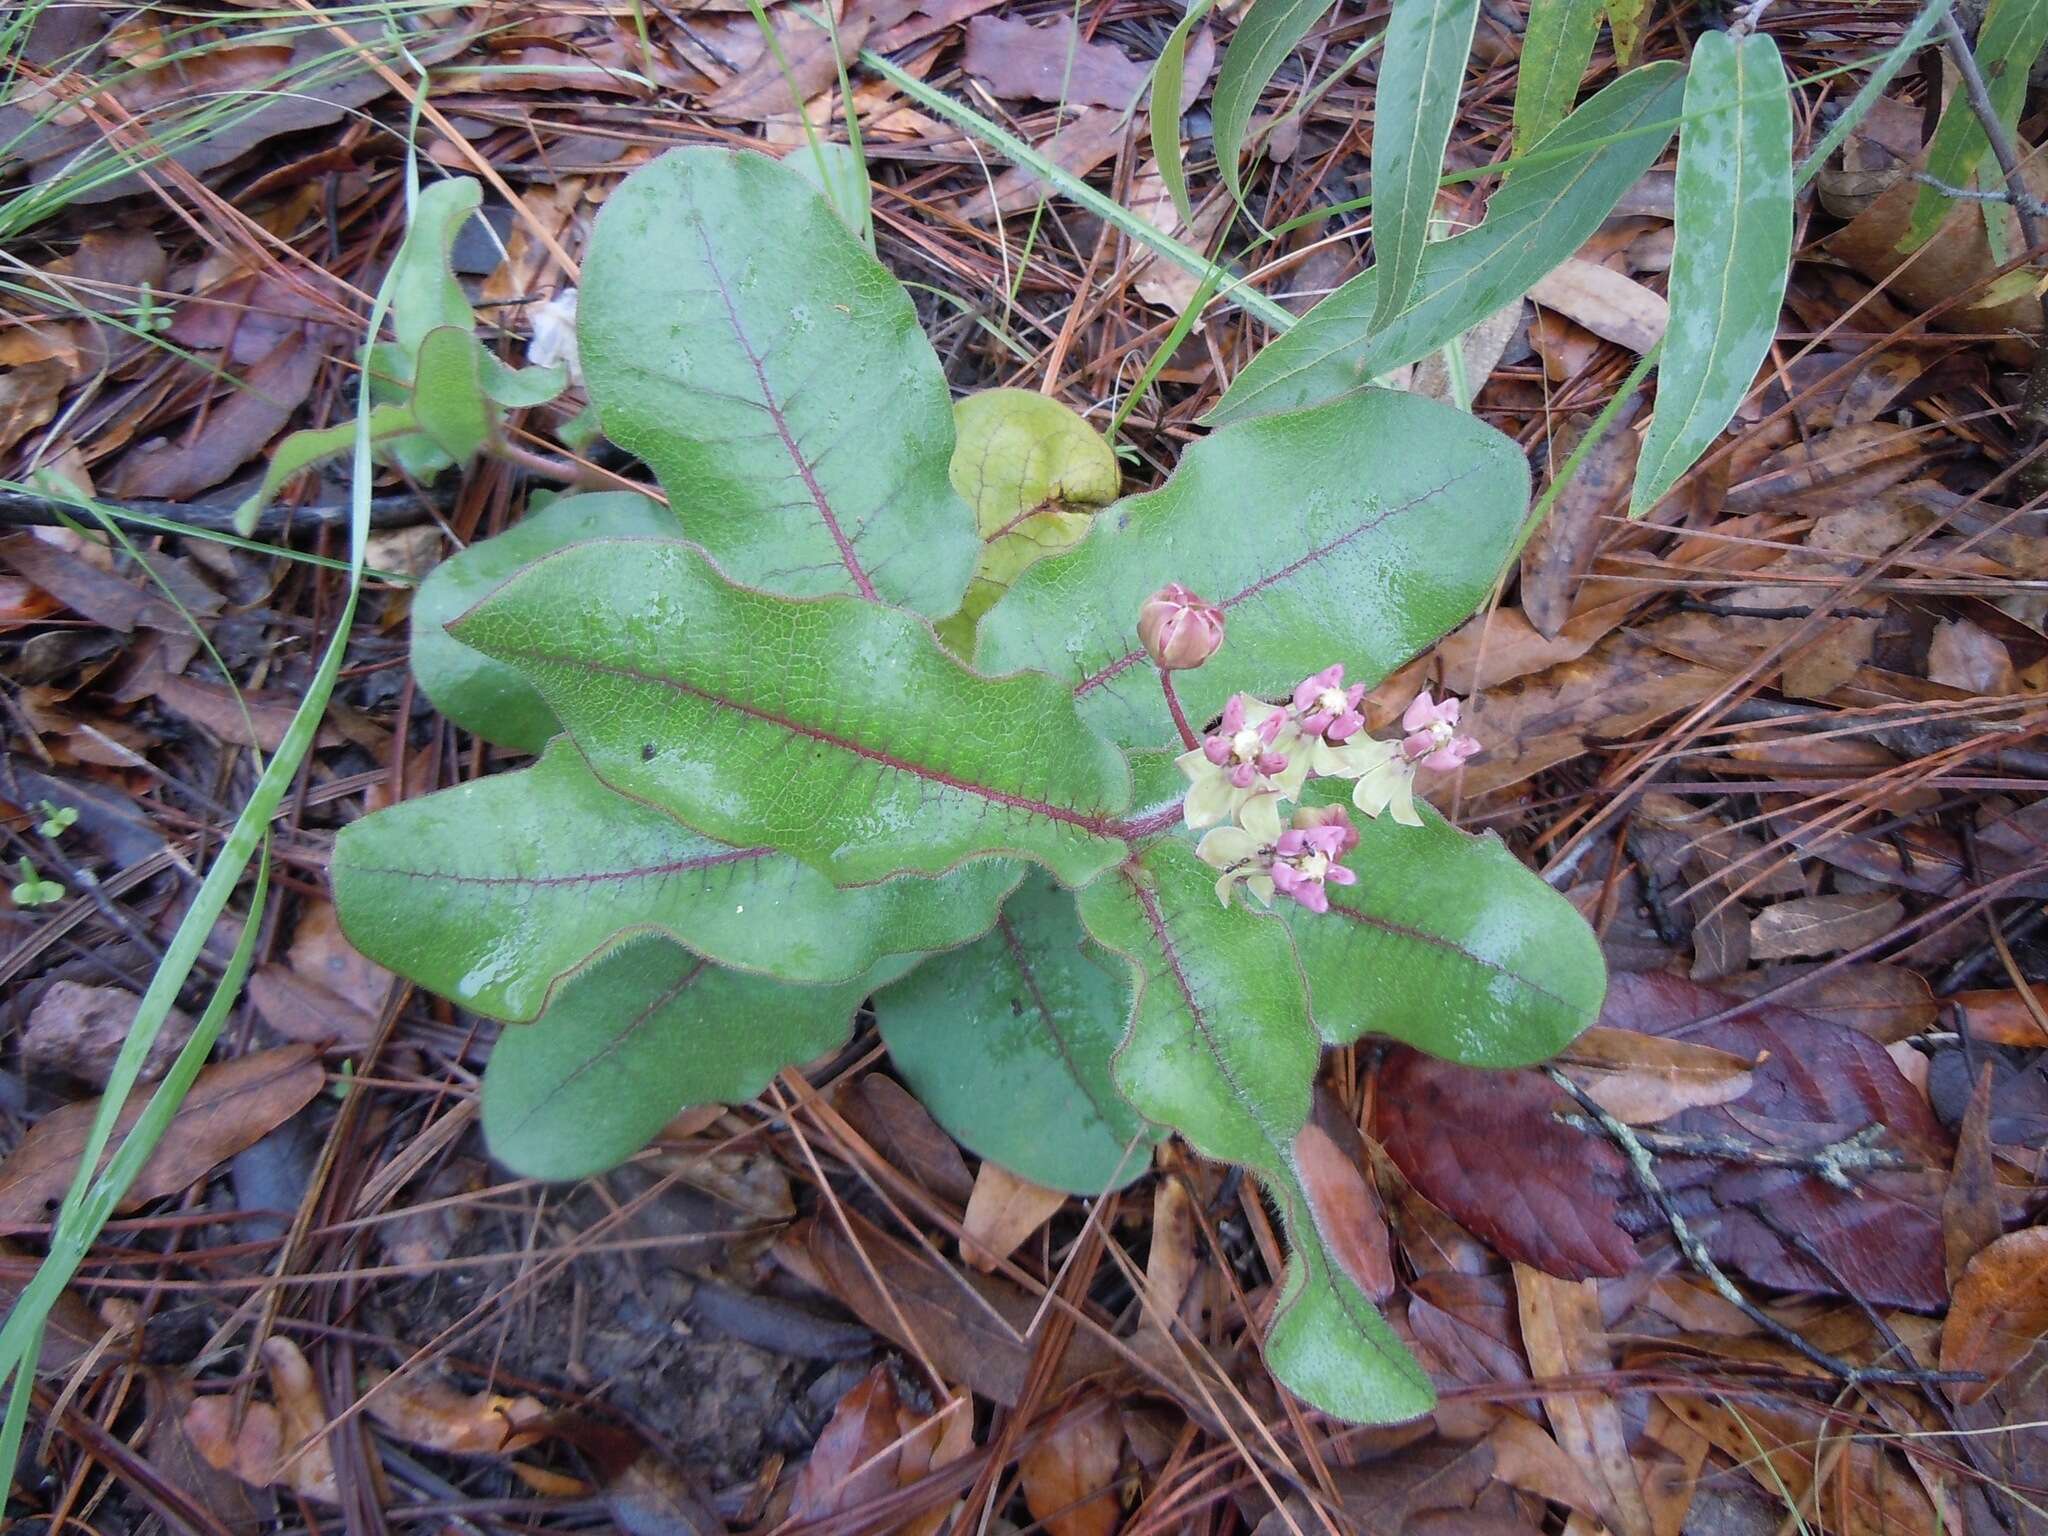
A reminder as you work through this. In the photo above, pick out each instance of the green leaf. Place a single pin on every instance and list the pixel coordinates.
(448, 392)
(1625, 21)
(1546, 211)
(495, 891)
(1359, 531)
(834, 729)
(1557, 49)
(424, 289)
(839, 172)
(645, 1033)
(302, 450)
(2011, 38)
(485, 697)
(1221, 1048)
(772, 374)
(1035, 474)
(1007, 1042)
(1449, 944)
(1415, 103)
(1732, 252)
(1269, 31)
(1167, 107)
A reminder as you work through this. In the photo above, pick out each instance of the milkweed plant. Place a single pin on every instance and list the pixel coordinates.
(897, 703)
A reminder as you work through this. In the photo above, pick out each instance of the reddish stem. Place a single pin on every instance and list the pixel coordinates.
(1187, 736)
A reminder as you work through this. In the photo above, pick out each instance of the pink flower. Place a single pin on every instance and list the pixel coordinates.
(1178, 629)
(1432, 741)
(1245, 768)
(1329, 717)
(1305, 859)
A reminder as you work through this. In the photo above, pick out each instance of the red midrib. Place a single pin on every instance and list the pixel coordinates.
(593, 877)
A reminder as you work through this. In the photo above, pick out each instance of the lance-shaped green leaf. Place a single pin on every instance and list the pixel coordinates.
(831, 728)
(315, 445)
(1268, 32)
(1557, 48)
(1449, 944)
(493, 892)
(1007, 1042)
(425, 293)
(736, 336)
(1415, 103)
(1221, 1048)
(648, 1031)
(486, 697)
(1358, 531)
(1035, 474)
(2011, 38)
(1732, 251)
(1574, 176)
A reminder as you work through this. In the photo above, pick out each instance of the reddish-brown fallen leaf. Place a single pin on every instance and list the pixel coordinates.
(1564, 1336)
(427, 1412)
(1970, 1218)
(275, 1443)
(1170, 1261)
(78, 1030)
(1823, 925)
(1050, 62)
(1488, 1149)
(1608, 303)
(2001, 1016)
(763, 90)
(1469, 1321)
(902, 1130)
(2000, 1310)
(232, 1105)
(1001, 1213)
(240, 426)
(1345, 1210)
(854, 1461)
(1079, 147)
(326, 993)
(1069, 1473)
(1562, 549)
(1964, 656)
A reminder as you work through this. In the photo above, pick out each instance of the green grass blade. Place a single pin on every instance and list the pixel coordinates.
(1167, 108)
(1415, 104)
(1888, 65)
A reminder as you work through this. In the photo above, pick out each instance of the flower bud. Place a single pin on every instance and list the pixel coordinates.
(1178, 629)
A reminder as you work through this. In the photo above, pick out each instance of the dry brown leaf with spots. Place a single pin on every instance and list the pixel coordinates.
(1069, 1472)
(1170, 1262)
(1002, 1212)
(1561, 552)
(1823, 925)
(1999, 1311)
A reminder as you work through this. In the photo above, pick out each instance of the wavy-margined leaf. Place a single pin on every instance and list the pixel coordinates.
(1268, 32)
(486, 697)
(831, 728)
(1448, 943)
(1414, 104)
(1359, 531)
(493, 892)
(1007, 1042)
(1222, 1049)
(1557, 48)
(648, 1031)
(736, 336)
(1035, 474)
(2011, 37)
(1546, 211)
(1731, 254)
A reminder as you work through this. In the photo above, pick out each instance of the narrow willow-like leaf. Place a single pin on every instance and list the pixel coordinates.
(2011, 38)
(1545, 212)
(1269, 31)
(486, 697)
(736, 336)
(1384, 520)
(1731, 256)
(1035, 474)
(1415, 103)
(1557, 49)
(1167, 107)
(491, 893)
(834, 729)
(1449, 944)
(647, 1032)
(1221, 1048)
(1007, 1042)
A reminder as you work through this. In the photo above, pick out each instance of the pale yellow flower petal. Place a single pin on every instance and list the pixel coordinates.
(1210, 801)
(1222, 847)
(1260, 816)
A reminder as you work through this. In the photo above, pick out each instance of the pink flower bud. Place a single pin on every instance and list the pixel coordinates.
(1178, 629)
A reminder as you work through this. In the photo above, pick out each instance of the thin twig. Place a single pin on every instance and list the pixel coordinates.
(1643, 1163)
(2024, 201)
(1832, 1163)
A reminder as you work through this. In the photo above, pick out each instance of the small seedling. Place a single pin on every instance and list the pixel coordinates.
(57, 819)
(34, 890)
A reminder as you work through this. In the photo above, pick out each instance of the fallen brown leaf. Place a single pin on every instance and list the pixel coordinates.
(239, 426)
(854, 1460)
(1564, 1335)
(1970, 1218)
(889, 1119)
(78, 1030)
(426, 1412)
(1002, 1212)
(1963, 656)
(1823, 925)
(232, 1105)
(1345, 1211)
(1642, 1079)
(275, 1443)
(1069, 1472)
(1608, 303)
(2000, 1310)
